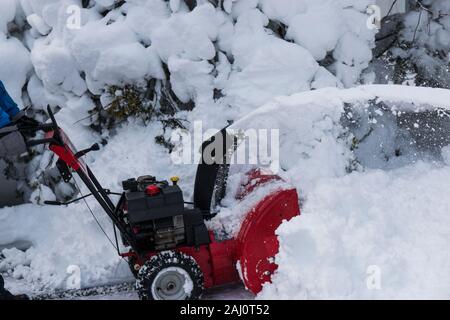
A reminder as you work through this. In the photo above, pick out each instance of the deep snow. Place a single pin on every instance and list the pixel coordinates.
(394, 218)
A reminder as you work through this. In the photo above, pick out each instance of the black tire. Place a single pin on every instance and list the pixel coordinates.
(165, 276)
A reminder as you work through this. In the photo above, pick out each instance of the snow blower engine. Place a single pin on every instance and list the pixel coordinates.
(170, 250)
(157, 215)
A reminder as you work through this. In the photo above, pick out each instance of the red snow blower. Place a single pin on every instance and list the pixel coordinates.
(170, 250)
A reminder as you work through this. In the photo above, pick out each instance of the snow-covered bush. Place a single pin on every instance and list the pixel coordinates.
(231, 47)
(221, 57)
(420, 52)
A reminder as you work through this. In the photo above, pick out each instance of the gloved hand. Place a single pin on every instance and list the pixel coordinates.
(27, 126)
(27, 122)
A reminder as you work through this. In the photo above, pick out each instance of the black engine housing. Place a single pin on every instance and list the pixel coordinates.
(161, 221)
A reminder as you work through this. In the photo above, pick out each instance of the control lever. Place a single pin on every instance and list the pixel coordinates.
(57, 203)
(53, 203)
(94, 147)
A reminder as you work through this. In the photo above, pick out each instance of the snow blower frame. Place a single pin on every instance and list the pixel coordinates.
(172, 253)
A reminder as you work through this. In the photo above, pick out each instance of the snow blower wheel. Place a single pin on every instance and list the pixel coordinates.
(170, 275)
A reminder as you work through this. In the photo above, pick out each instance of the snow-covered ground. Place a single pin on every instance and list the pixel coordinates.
(367, 230)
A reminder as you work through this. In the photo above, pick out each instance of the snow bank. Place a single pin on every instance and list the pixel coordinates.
(236, 51)
(423, 45)
(7, 15)
(391, 222)
(16, 66)
(388, 228)
(56, 247)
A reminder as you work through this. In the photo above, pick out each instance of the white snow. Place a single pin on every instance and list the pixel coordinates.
(254, 85)
(395, 219)
(129, 45)
(446, 155)
(7, 14)
(56, 246)
(321, 16)
(38, 23)
(190, 35)
(16, 66)
(104, 59)
(232, 212)
(55, 67)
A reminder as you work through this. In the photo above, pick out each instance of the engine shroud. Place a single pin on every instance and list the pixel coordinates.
(161, 221)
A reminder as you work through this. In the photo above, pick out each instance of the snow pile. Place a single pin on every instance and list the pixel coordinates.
(371, 235)
(174, 56)
(14, 73)
(428, 28)
(57, 249)
(8, 14)
(378, 225)
(233, 212)
(427, 32)
(420, 41)
(236, 49)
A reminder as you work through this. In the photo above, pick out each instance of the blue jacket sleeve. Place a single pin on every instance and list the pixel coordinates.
(7, 104)
(4, 119)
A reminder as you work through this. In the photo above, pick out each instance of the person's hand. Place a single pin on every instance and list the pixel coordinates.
(27, 122)
(27, 126)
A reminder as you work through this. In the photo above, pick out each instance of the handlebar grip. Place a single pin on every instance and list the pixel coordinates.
(32, 143)
(53, 203)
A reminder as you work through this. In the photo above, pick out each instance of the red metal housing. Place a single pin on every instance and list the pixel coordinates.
(252, 251)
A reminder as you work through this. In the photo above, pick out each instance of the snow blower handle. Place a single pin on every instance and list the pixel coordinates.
(94, 147)
(58, 203)
(53, 203)
(47, 127)
(54, 123)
